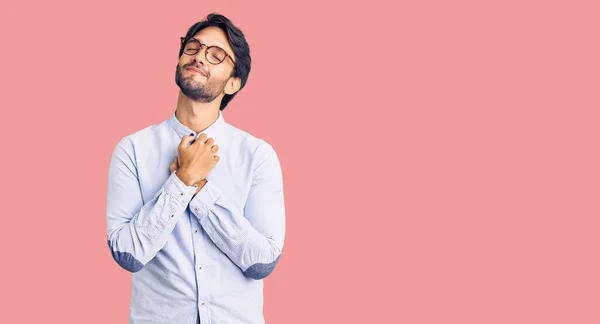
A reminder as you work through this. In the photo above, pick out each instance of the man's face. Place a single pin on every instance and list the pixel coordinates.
(210, 82)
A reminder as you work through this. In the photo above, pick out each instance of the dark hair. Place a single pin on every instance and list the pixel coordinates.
(238, 43)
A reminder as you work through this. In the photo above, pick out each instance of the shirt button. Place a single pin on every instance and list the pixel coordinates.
(172, 215)
(199, 268)
(196, 208)
(202, 304)
(182, 193)
(195, 231)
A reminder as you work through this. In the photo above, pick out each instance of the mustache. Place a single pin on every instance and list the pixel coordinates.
(197, 67)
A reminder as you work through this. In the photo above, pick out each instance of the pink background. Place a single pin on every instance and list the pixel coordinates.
(440, 159)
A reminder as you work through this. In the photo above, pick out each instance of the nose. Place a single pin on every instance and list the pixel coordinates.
(201, 56)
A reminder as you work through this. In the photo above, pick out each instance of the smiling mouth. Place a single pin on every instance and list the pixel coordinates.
(195, 71)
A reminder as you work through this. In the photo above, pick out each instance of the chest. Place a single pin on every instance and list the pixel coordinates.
(232, 174)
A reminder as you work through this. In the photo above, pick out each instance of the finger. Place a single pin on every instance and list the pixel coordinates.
(185, 141)
(202, 137)
(215, 148)
(199, 139)
(217, 158)
(210, 141)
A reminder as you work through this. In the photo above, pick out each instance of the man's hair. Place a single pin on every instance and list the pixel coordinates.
(238, 43)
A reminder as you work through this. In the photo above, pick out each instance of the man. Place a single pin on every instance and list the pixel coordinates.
(199, 231)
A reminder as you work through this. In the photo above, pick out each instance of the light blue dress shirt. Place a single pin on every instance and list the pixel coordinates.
(202, 258)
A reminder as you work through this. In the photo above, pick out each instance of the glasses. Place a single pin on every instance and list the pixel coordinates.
(214, 54)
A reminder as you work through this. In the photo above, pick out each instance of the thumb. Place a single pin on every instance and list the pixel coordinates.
(185, 141)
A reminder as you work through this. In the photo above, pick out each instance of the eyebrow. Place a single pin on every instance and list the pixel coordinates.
(216, 44)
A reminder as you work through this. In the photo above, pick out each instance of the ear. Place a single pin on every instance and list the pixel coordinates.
(233, 85)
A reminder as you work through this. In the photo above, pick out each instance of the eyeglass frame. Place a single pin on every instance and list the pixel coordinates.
(184, 41)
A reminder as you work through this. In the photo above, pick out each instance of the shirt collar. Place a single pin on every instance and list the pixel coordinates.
(183, 130)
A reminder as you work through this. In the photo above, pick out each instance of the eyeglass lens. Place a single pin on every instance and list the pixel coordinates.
(214, 54)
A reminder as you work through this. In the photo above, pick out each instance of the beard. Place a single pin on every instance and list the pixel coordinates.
(195, 90)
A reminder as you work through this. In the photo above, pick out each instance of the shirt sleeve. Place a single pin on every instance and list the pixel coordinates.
(137, 231)
(253, 237)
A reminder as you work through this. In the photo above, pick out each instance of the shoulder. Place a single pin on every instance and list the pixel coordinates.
(256, 147)
(129, 142)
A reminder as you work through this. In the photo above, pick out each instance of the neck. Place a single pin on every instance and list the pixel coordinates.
(196, 115)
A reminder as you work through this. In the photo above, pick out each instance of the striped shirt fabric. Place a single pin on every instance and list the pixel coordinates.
(195, 258)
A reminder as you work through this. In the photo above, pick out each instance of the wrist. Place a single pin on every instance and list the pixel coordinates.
(200, 185)
(184, 177)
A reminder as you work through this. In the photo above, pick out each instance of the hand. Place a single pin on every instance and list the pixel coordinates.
(196, 160)
(175, 166)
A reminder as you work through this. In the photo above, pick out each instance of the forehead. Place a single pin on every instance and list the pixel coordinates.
(214, 36)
